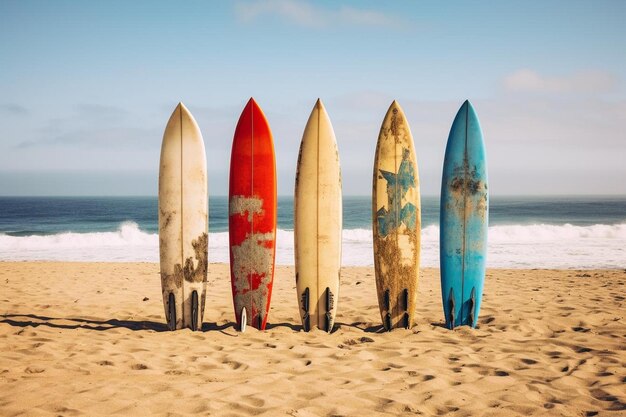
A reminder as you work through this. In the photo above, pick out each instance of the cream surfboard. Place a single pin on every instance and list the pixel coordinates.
(318, 222)
(396, 221)
(183, 221)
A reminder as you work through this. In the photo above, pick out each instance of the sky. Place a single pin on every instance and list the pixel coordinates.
(86, 88)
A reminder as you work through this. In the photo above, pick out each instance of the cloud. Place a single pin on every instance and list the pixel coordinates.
(305, 14)
(535, 144)
(364, 101)
(529, 81)
(12, 108)
(101, 112)
(99, 138)
(94, 126)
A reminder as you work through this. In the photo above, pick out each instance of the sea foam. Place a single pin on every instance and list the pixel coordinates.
(510, 246)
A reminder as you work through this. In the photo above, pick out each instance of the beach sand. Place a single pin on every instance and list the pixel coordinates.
(89, 339)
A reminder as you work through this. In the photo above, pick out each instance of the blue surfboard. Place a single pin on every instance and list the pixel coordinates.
(464, 218)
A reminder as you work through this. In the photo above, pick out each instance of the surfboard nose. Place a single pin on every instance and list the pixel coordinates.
(395, 108)
(468, 108)
(254, 106)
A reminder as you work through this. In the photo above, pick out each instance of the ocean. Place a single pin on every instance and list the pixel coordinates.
(524, 232)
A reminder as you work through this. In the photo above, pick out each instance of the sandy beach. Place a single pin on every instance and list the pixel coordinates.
(89, 339)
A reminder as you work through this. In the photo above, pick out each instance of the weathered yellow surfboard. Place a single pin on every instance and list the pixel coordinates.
(318, 222)
(183, 221)
(396, 221)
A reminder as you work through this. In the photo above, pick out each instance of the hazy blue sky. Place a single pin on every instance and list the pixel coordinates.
(86, 88)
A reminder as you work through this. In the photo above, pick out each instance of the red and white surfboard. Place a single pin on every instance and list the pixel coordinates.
(252, 217)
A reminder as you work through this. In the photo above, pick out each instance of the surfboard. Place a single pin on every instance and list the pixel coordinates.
(396, 221)
(252, 217)
(317, 222)
(464, 212)
(183, 221)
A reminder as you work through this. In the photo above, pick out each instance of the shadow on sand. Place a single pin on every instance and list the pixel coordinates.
(33, 320)
(377, 328)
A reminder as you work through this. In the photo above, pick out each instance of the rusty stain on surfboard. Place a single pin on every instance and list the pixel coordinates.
(197, 273)
(240, 204)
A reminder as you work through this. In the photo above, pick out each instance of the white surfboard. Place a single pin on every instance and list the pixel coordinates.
(318, 222)
(183, 221)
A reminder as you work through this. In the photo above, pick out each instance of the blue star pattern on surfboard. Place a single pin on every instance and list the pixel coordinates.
(397, 186)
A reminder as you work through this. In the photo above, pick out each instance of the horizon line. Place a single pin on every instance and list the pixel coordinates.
(291, 195)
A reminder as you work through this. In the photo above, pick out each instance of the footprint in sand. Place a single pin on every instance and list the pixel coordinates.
(174, 372)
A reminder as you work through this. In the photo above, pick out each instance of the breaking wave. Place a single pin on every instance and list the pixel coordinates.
(510, 246)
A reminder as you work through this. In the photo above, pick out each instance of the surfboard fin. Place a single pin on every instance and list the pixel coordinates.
(194, 310)
(329, 307)
(451, 306)
(328, 322)
(388, 322)
(405, 299)
(472, 307)
(243, 320)
(387, 305)
(171, 312)
(306, 319)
